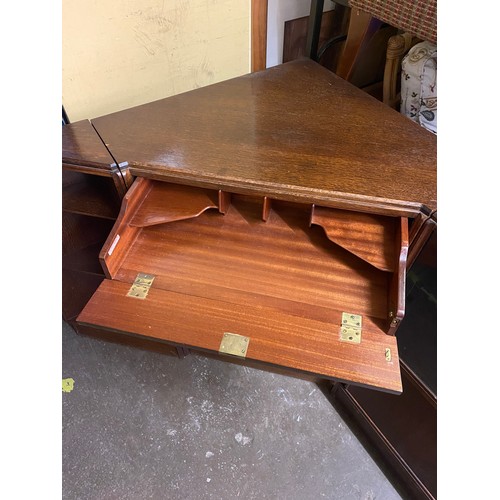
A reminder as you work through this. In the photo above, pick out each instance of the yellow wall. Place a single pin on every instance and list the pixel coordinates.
(121, 53)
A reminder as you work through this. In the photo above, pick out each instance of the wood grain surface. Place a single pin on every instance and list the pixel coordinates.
(269, 278)
(171, 202)
(294, 132)
(122, 235)
(241, 259)
(276, 338)
(258, 34)
(370, 237)
(82, 146)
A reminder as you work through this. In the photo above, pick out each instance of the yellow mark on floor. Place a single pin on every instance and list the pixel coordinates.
(67, 384)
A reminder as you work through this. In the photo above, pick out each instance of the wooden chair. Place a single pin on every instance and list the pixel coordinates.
(366, 20)
(397, 48)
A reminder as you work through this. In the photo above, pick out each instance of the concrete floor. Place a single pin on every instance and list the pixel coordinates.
(142, 425)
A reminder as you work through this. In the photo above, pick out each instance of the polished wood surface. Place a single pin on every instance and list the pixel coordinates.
(123, 234)
(82, 146)
(294, 132)
(259, 270)
(171, 202)
(370, 237)
(397, 293)
(275, 337)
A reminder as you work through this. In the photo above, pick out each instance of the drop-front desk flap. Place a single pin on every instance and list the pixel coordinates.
(269, 220)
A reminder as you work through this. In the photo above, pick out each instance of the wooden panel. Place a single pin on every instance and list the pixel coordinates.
(84, 259)
(77, 288)
(295, 132)
(241, 259)
(80, 231)
(276, 338)
(82, 145)
(333, 24)
(370, 237)
(259, 34)
(89, 195)
(404, 429)
(123, 235)
(137, 342)
(397, 292)
(171, 202)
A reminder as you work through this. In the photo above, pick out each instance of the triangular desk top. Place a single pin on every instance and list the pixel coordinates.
(294, 132)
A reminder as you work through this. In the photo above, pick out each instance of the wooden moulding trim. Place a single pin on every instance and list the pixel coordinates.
(397, 289)
(369, 237)
(123, 235)
(93, 170)
(333, 199)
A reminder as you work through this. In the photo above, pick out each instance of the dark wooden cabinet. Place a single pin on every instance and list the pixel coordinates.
(92, 189)
(404, 428)
(269, 219)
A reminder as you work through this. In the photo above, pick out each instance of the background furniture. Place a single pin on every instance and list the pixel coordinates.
(93, 186)
(397, 47)
(403, 428)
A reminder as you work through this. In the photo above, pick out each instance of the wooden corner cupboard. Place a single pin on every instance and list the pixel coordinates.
(270, 218)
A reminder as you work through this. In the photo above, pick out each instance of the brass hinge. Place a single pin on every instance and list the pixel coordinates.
(350, 328)
(141, 286)
(234, 344)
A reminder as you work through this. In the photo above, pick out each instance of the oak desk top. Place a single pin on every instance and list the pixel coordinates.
(295, 132)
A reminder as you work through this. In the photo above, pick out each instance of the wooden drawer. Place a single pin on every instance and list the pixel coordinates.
(279, 273)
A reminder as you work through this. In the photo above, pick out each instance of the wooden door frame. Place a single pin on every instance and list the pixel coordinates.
(258, 34)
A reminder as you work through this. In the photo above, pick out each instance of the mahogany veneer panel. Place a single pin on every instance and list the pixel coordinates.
(168, 203)
(275, 337)
(295, 132)
(258, 270)
(367, 236)
(241, 259)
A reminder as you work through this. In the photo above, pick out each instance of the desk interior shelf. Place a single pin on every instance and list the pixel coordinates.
(90, 195)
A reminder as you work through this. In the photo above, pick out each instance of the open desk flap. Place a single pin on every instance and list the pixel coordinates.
(250, 277)
(273, 337)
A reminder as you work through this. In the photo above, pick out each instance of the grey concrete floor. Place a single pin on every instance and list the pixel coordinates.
(143, 425)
